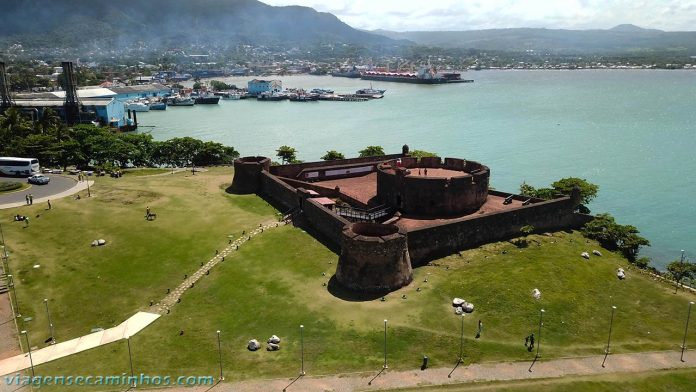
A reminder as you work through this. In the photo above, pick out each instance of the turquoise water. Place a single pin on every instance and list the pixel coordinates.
(631, 132)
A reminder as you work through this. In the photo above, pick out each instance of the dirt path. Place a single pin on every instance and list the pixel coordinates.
(498, 371)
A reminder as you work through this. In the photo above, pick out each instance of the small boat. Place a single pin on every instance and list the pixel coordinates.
(206, 99)
(180, 101)
(273, 96)
(321, 91)
(231, 96)
(304, 97)
(370, 93)
(158, 106)
(136, 106)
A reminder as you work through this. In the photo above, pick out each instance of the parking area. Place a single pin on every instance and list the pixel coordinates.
(57, 185)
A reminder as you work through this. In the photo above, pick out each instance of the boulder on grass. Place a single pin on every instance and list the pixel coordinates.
(468, 307)
(274, 339)
(253, 345)
(101, 242)
(95, 243)
(536, 294)
(621, 274)
(458, 310)
(585, 255)
(273, 347)
(596, 252)
(458, 302)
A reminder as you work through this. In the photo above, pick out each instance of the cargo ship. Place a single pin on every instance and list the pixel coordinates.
(423, 76)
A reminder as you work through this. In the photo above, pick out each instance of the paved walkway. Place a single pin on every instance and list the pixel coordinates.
(130, 327)
(498, 371)
(79, 186)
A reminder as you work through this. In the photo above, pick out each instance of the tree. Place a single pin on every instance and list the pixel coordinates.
(681, 269)
(287, 154)
(197, 85)
(540, 193)
(371, 151)
(588, 191)
(333, 155)
(614, 236)
(422, 154)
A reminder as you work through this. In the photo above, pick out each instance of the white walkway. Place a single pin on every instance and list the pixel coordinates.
(130, 327)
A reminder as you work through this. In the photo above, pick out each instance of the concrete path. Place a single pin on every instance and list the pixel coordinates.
(497, 371)
(130, 327)
(78, 187)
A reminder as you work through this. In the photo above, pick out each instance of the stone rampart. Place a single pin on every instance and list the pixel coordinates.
(432, 242)
(374, 257)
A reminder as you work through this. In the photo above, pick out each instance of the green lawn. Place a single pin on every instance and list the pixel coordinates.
(276, 282)
(666, 380)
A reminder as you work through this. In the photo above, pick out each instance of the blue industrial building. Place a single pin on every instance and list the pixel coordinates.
(258, 86)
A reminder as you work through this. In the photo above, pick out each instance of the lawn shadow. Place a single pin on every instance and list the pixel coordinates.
(341, 292)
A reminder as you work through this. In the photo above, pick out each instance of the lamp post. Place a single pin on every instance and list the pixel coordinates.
(385, 344)
(50, 322)
(541, 318)
(31, 360)
(220, 354)
(4, 245)
(130, 360)
(302, 372)
(461, 342)
(611, 323)
(686, 329)
(681, 263)
(11, 283)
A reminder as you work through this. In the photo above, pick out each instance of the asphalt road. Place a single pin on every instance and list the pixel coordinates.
(57, 185)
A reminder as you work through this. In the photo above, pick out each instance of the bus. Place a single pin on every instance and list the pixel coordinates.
(12, 166)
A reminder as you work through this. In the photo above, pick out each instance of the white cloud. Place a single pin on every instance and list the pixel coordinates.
(402, 15)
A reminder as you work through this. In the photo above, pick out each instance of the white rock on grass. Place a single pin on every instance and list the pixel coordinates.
(458, 310)
(273, 347)
(274, 339)
(101, 242)
(621, 274)
(585, 255)
(458, 302)
(596, 252)
(468, 307)
(253, 345)
(536, 294)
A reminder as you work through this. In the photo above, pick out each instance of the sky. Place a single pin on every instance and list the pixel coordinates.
(410, 15)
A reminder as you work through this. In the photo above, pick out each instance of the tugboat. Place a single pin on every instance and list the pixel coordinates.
(207, 99)
(370, 93)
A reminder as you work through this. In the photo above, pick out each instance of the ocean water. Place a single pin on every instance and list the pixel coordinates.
(632, 132)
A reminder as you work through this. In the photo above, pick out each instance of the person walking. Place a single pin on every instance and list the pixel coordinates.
(49, 204)
(26, 221)
(26, 197)
(480, 329)
(31, 199)
(147, 212)
(531, 342)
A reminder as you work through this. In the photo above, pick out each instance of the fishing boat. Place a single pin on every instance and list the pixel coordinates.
(180, 101)
(136, 106)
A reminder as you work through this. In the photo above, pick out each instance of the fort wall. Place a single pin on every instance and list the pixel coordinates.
(436, 241)
(247, 172)
(280, 192)
(294, 170)
(374, 257)
(324, 220)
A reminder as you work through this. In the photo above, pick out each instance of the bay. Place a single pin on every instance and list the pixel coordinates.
(632, 132)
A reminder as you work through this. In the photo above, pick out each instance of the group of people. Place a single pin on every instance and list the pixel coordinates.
(29, 198)
(20, 218)
(529, 342)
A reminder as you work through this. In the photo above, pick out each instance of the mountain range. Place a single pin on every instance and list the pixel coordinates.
(172, 23)
(622, 39)
(107, 24)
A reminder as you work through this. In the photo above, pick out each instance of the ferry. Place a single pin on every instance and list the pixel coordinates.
(423, 76)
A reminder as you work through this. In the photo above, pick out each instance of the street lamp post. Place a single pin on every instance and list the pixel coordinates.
(220, 354)
(11, 283)
(302, 372)
(541, 318)
(89, 193)
(385, 344)
(686, 329)
(130, 360)
(50, 322)
(31, 360)
(461, 342)
(611, 324)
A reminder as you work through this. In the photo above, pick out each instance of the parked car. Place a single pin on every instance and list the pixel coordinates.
(38, 179)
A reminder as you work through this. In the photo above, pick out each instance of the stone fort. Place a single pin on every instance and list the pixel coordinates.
(389, 214)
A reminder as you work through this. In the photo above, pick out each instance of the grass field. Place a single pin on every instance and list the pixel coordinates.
(276, 282)
(12, 186)
(667, 381)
